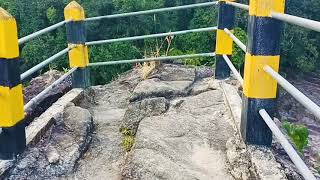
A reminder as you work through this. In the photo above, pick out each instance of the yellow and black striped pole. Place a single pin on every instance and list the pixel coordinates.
(76, 35)
(12, 135)
(224, 43)
(260, 89)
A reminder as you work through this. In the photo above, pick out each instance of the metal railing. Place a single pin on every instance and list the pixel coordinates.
(238, 5)
(233, 69)
(303, 22)
(236, 40)
(151, 36)
(294, 156)
(304, 100)
(152, 59)
(299, 21)
(152, 11)
(36, 99)
(39, 66)
(41, 32)
(298, 95)
(43, 64)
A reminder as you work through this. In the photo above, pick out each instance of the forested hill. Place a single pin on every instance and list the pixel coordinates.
(300, 47)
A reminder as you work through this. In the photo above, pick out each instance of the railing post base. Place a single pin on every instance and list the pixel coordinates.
(13, 141)
(222, 70)
(81, 78)
(259, 89)
(253, 128)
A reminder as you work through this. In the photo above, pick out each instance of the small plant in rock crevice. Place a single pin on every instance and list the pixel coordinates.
(299, 134)
(317, 167)
(128, 139)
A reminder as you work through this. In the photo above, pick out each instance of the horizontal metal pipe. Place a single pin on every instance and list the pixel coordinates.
(303, 22)
(152, 11)
(301, 166)
(236, 40)
(238, 5)
(299, 96)
(233, 69)
(34, 100)
(151, 36)
(151, 59)
(43, 31)
(44, 63)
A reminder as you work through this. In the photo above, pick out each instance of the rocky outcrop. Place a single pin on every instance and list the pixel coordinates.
(138, 110)
(108, 105)
(184, 142)
(168, 72)
(157, 88)
(187, 141)
(204, 85)
(58, 152)
(180, 127)
(239, 160)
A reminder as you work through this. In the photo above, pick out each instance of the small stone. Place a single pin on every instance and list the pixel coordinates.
(53, 156)
(70, 104)
(204, 85)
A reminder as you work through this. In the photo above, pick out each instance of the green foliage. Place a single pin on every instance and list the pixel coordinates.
(300, 47)
(238, 56)
(128, 139)
(52, 14)
(299, 134)
(111, 52)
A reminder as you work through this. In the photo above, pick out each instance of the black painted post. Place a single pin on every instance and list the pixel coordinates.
(76, 35)
(260, 89)
(224, 43)
(12, 124)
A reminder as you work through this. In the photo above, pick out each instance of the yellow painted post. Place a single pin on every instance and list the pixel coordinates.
(224, 43)
(12, 136)
(260, 89)
(76, 35)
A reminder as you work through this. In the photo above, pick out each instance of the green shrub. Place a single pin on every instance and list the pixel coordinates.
(299, 134)
(128, 142)
(128, 139)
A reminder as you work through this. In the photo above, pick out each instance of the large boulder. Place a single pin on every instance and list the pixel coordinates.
(138, 110)
(156, 88)
(169, 72)
(186, 142)
(61, 147)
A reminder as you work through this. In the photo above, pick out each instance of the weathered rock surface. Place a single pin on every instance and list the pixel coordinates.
(138, 110)
(182, 125)
(157, 88)
(105, 156)
(56, 155)
(187, 142)
(204, 72)
(204, 85)
(239, 160)
(168, 72)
